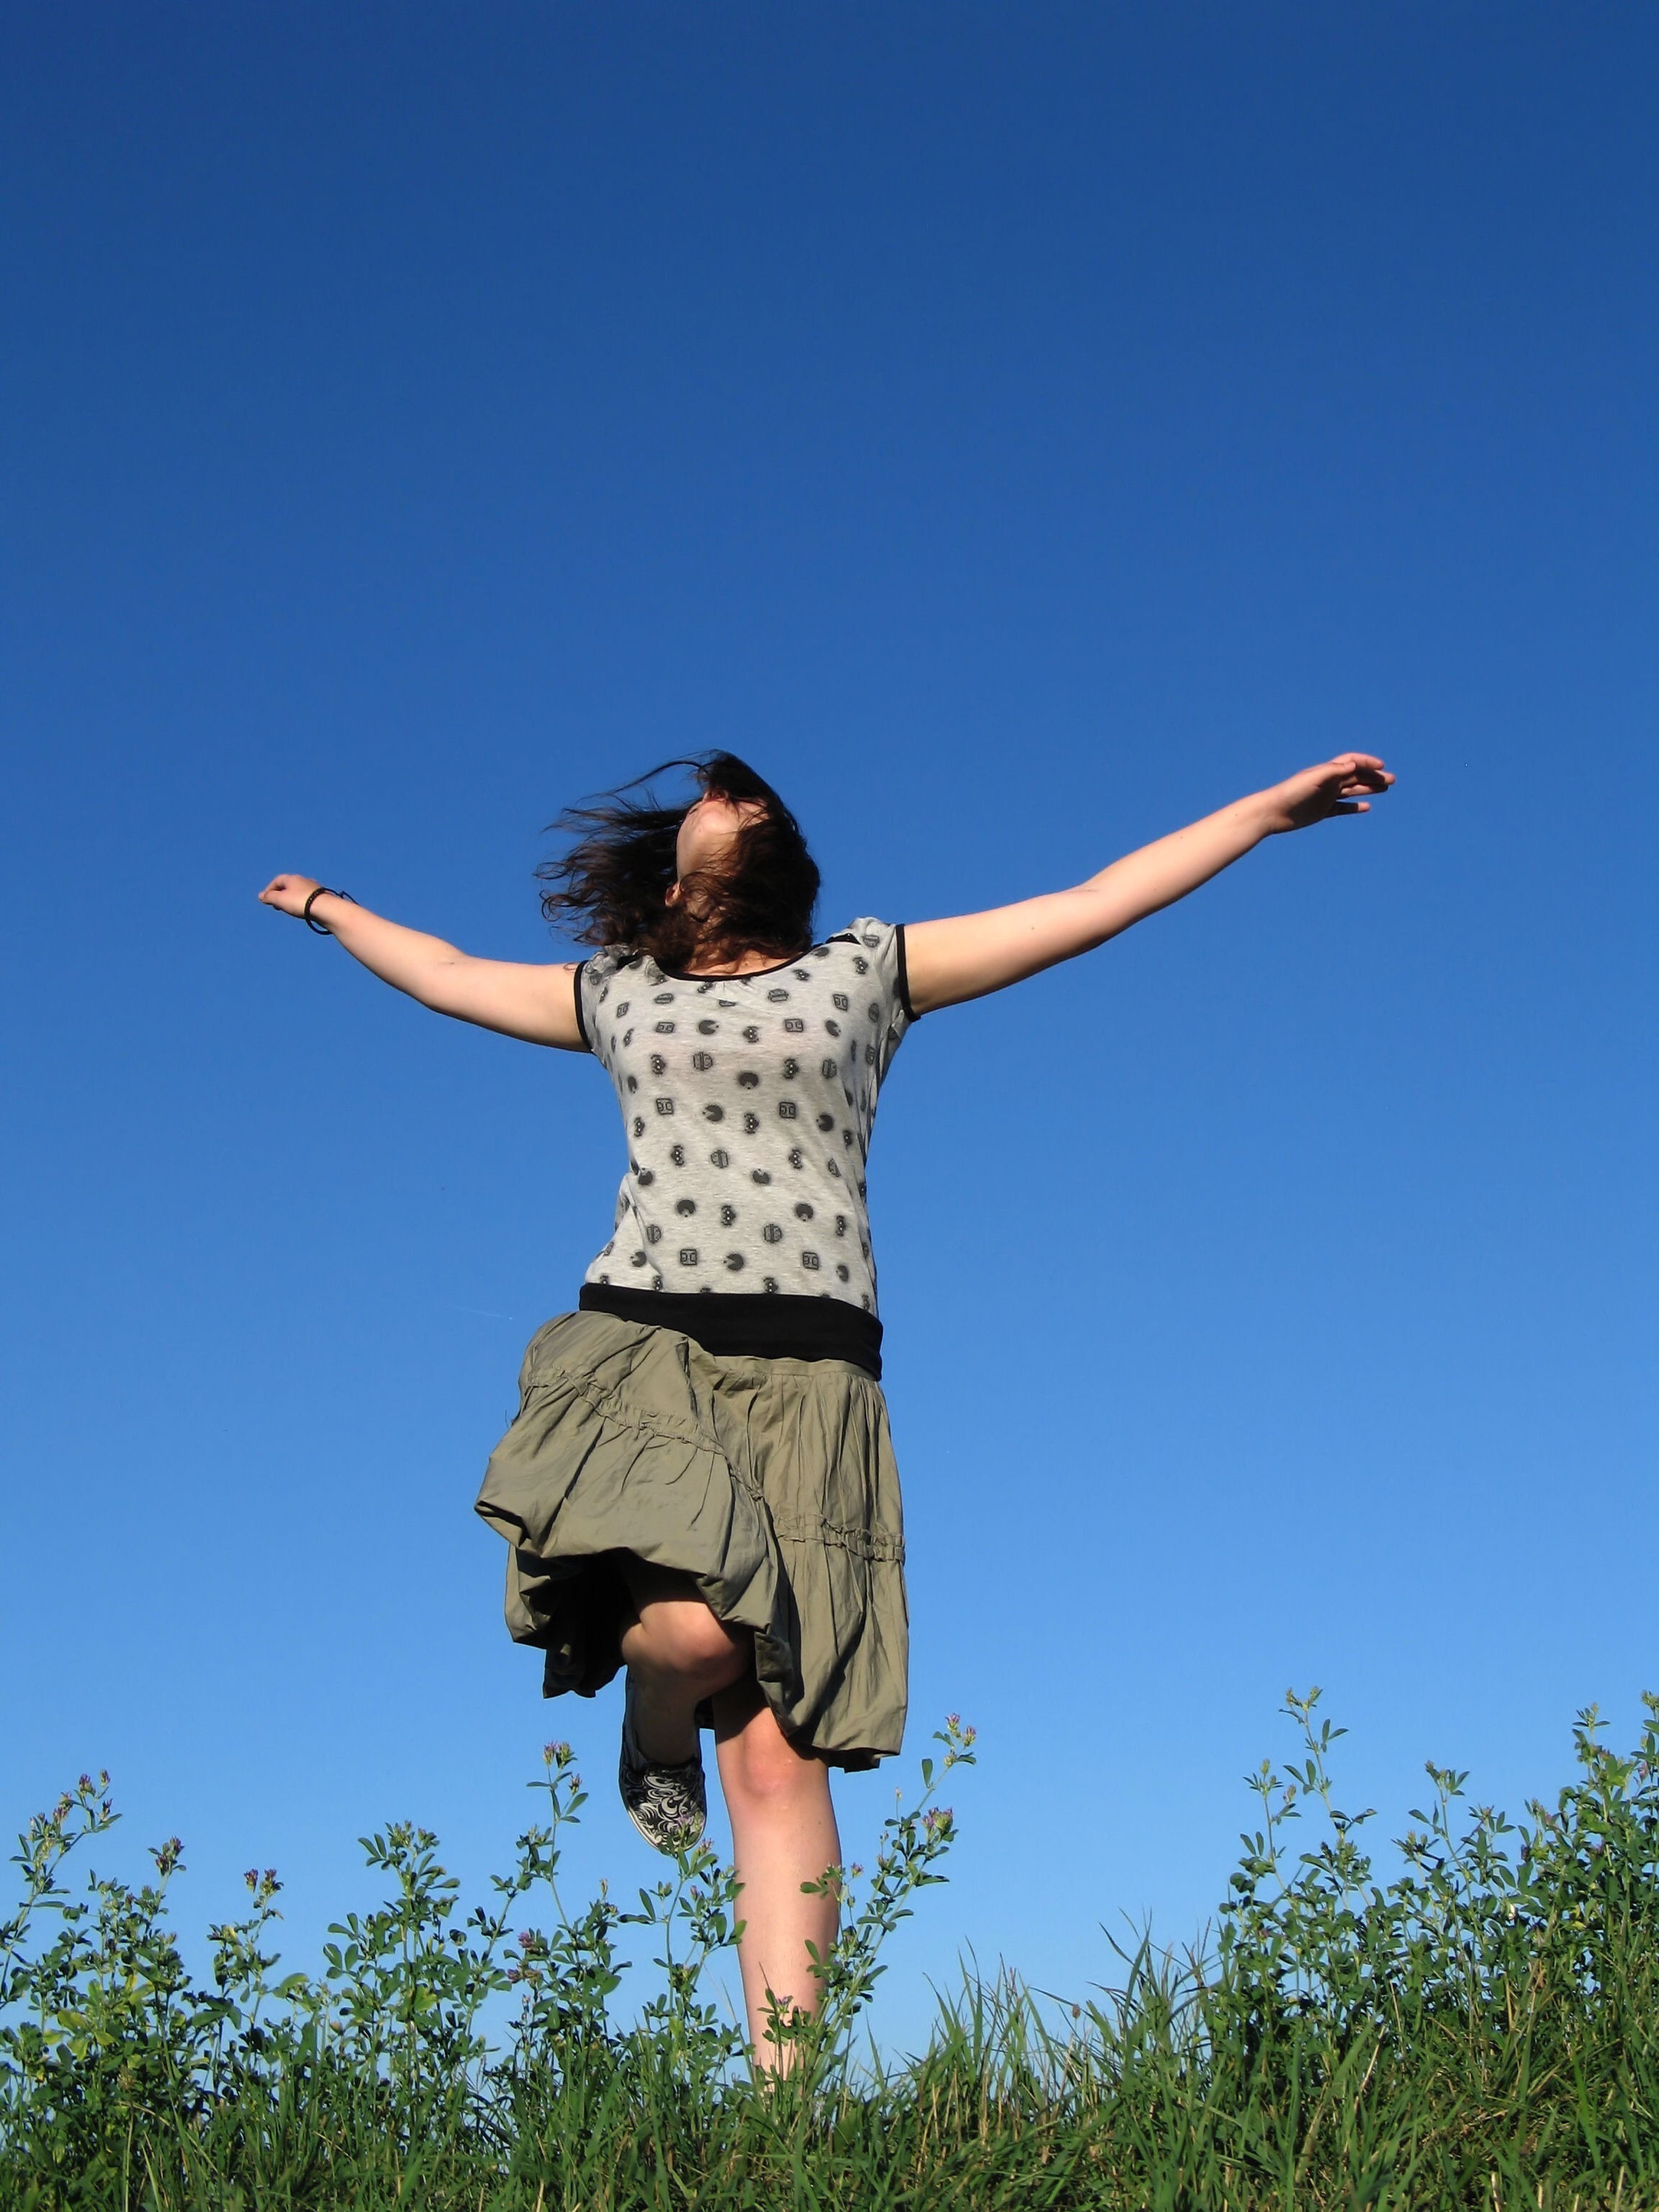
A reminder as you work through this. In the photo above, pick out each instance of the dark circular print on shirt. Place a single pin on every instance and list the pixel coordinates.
(759, 1091)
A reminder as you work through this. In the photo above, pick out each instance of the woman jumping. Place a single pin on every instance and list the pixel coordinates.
(699, 1484)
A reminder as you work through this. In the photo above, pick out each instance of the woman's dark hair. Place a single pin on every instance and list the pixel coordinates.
(609, 887)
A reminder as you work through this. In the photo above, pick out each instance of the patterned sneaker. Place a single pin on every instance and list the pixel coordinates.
(668, 1804)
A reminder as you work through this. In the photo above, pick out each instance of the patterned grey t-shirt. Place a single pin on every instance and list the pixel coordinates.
(748, 1101)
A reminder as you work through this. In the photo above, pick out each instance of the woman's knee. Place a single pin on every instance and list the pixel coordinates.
(688, 1639)
(763, 1767)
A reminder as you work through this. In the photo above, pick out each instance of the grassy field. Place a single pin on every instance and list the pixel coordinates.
(1482, 2030)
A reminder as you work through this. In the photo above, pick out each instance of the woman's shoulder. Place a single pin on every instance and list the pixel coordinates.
(611, 959)
(610, 966)
(867, 943)
(863, 931)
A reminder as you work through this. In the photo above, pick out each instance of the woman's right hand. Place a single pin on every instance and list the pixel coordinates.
(289, 894)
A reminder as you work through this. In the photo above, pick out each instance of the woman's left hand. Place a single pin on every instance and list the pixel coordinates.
(1316, 794)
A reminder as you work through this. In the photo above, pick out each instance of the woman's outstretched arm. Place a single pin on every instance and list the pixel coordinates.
(538, 1004)
(964, 959)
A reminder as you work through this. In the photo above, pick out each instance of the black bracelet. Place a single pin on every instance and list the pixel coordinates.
(322, 891)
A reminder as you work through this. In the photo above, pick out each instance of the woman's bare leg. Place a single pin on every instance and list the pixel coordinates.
(677, 1652)
(783, 1834)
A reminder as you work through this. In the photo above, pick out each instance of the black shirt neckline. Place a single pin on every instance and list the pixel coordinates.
(750, 975)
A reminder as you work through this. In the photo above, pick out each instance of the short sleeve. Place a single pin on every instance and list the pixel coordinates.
(878, 951)
(597, 1003)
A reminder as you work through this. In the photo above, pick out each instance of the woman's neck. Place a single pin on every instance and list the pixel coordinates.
(751, 960)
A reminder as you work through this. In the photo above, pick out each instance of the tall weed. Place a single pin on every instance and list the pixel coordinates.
(1479, 2029)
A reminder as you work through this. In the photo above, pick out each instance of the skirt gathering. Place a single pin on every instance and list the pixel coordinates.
(770, 1482)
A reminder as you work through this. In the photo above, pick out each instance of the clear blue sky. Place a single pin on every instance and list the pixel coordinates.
(1018, 430)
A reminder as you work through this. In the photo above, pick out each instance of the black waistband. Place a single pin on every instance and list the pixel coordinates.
(748, 1324)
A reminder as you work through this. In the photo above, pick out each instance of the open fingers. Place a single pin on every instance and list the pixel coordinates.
(1362, 772)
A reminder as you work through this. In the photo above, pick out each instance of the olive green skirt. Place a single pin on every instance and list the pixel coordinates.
(771, 1482)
